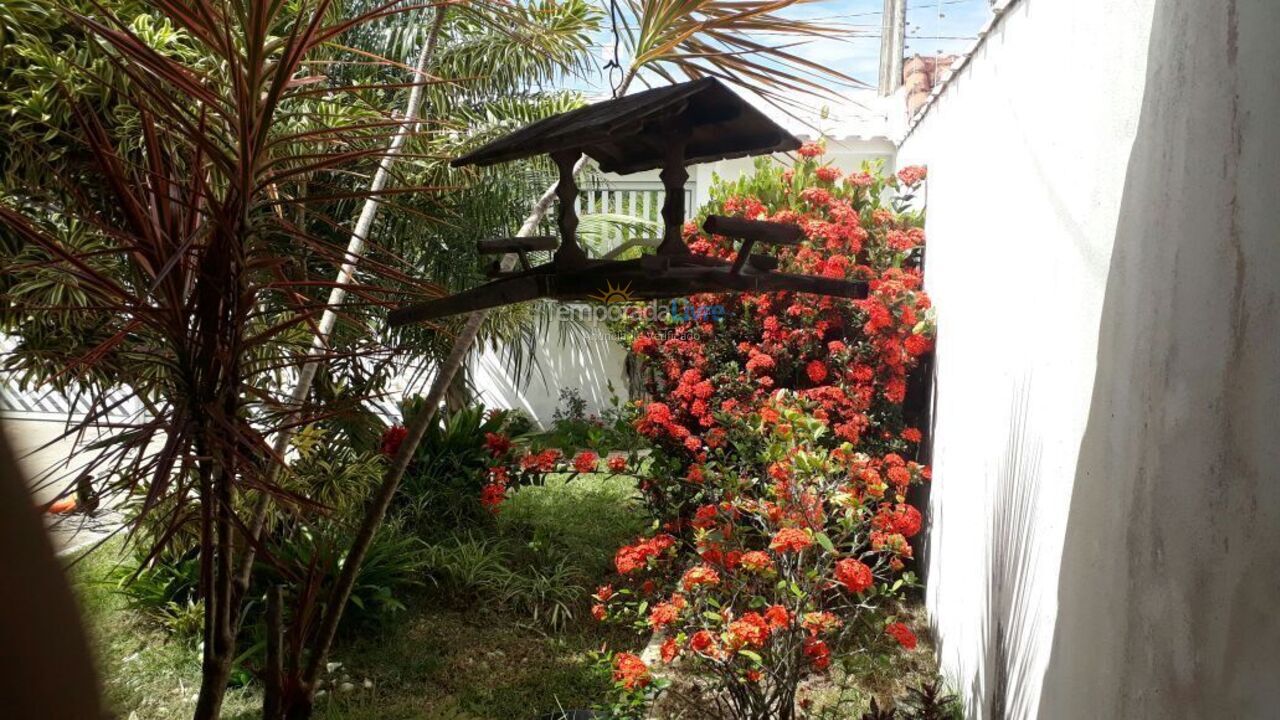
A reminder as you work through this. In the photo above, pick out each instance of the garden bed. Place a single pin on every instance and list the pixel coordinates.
(436, 662)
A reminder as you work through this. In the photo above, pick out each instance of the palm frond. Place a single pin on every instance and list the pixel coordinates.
(724, 39)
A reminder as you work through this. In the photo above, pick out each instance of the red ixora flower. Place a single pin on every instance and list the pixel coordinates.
(902, 634)
(854, 575)
(497, 443)
(491, 497)
(630, 671)
(699, 575)
(585, 461)
(617, 463)
(912, 174)
(704, 643)
(817, 652)
(751, 629)
(665, 613)
(810, 150)
(790, 540)
(756, 561)
(816, 370)
(826, 173)
(392, 437)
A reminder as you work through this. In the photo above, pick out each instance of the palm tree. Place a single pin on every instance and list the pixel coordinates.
(175, 247)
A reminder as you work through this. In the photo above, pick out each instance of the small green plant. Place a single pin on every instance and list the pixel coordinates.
(573, 428)
(184, 620)
(155, 590)
(930, 701)
(547, 596)
(467, 566)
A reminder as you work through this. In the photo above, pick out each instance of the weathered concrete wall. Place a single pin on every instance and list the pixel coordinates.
(1171, 568)
(1104, 192)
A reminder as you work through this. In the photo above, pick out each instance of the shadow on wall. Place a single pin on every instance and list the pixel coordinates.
(1171, 564)
(580, 356)
(1008, 638)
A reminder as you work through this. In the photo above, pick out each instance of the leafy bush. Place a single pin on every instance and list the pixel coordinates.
(152, 589)
(441, 490)
(572, 429)
(780, 466)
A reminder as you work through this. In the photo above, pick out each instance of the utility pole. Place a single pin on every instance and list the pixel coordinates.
(893, 45)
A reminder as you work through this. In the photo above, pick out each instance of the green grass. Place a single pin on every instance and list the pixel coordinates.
(448, 664)
(584, 519)
(439, 659)
(434, 663)
(146, 675)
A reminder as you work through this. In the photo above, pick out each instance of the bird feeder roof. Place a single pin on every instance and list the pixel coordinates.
(632, 133)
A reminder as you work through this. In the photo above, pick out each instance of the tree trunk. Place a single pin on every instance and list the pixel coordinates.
(216, 570)
(273, 675)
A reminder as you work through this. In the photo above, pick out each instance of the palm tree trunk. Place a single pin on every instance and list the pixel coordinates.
(355, 247)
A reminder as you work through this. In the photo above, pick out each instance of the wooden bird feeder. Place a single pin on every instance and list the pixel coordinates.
(667, 128)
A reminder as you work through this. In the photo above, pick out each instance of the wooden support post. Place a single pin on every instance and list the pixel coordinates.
(570, 253)
(673, 177)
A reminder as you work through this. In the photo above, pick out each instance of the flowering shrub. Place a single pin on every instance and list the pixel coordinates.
(512, 464)
(780, 463)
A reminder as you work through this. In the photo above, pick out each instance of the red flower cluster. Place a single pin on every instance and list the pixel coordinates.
(779, 448)
(912, 175)
(902, 634)
(790, 540)
(630, 671)
(631, 558)
(586, 462)
(854, 575)
(392, 438)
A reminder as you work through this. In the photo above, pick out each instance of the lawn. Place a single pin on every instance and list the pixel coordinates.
(475, 642)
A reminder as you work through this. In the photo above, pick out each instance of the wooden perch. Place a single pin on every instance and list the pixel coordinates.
(502, 246)
(772, 233)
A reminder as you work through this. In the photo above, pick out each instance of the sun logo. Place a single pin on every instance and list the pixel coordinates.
(614, 294)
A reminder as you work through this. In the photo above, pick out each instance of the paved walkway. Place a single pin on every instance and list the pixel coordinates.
(75, 532)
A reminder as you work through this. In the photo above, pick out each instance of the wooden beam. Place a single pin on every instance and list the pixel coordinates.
(502, 246)
(772, 233)
(673, 176)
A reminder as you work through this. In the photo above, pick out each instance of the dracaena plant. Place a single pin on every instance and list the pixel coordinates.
(181, 257)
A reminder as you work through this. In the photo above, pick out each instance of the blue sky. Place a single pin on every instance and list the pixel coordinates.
(858, 54)
(927, 33)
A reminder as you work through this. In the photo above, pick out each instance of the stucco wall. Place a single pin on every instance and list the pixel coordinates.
(586, 359)
(1104, 192)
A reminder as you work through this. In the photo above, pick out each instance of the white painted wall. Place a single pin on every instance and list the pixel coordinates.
(1102, 205)
(593, 365)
